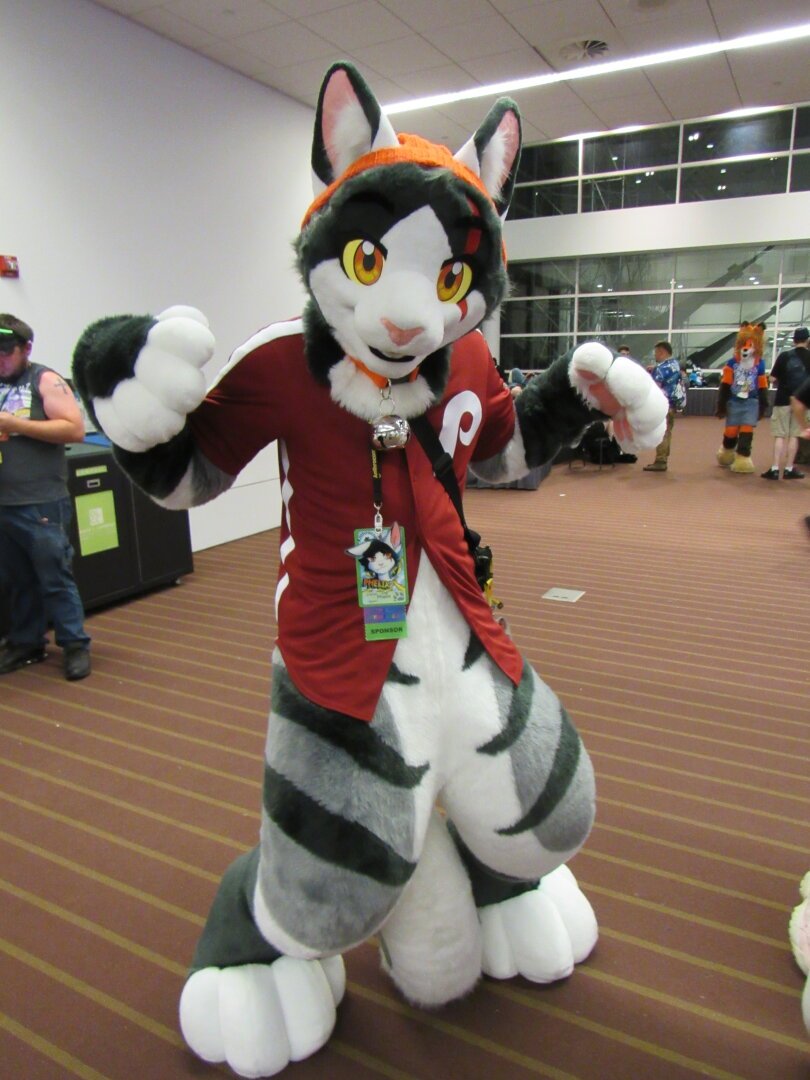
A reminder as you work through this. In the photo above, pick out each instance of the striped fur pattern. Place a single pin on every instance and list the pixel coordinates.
(347, 806)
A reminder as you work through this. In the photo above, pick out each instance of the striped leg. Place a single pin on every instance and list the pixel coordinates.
(538, 813)
(339, 842)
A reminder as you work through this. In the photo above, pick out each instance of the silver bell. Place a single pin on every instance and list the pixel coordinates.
(390, 432)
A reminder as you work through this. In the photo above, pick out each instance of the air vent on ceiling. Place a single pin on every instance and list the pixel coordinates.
(587, 49)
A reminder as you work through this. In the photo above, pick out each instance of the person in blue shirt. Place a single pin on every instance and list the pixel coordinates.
(667, 373)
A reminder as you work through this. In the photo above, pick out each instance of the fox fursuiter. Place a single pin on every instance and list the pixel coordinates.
(743, 398)
(379, 716)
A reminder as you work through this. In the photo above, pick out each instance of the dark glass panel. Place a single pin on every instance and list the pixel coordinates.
(765, 177)
(632, 150)
(544, 200)
(652, 188)
(794, 309)
(542, 278)
(800, 173)
(533, 353)
(796, 264)
(717, 267)
(537, 316)
(727, 307)
(549, 161)
(705, 349)
(705, 140)
(601, 314)
(627, 273)
(801, 138)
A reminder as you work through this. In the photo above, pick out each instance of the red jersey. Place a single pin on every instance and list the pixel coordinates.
(268, 393)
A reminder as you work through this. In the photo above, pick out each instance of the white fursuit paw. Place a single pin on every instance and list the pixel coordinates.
(260, 1017)
(168, 383)
(622, 389)
(540, 935)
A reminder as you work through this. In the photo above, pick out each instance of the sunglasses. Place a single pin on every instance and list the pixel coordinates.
(7, 347)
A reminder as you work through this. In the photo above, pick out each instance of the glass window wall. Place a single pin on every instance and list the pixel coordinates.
(631, 150)
(538, 316)
(764, 176)
(800, 176)
(545, 200)
(604, 313)
(627, 273)
(654, 187)
(708, 140)
(694, 161)
(549, 161)
(696, 298)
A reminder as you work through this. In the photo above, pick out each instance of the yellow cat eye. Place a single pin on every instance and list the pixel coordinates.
(455, 279)
(363, 261)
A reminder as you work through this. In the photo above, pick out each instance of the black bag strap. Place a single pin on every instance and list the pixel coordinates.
(442, 464)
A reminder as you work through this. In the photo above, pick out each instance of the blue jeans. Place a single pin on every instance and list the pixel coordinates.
(35, 568)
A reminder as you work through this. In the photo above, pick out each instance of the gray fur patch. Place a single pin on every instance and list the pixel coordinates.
(322, 906)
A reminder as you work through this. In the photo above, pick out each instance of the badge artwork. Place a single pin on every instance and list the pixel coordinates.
(382, 581)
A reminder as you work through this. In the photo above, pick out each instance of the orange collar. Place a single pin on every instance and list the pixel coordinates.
(380, 380)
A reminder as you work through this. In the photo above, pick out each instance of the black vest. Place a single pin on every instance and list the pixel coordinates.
(30, 471)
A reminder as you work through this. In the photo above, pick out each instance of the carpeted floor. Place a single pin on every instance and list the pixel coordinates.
(685, 667)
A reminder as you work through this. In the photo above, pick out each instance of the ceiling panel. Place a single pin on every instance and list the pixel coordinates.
(704, 88)
(410, 48)
(224, 19)
(737, 17)
(426, 16)
(637, 109)
(355, 25)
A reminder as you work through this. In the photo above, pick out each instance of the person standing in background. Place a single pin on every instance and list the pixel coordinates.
(791, 368)
(667, 373)
(38, 416)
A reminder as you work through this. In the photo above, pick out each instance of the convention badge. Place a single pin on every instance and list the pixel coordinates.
(382, 580)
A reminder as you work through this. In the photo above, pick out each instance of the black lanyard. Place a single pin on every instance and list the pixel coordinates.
(376, 481)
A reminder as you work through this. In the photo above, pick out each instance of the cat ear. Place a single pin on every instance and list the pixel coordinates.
(359, 550)
(349, 123)
(493, 152)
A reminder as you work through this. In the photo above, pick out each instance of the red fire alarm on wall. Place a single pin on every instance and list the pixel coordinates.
(9, 267)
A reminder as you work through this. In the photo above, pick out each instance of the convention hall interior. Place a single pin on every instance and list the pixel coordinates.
(157, 152)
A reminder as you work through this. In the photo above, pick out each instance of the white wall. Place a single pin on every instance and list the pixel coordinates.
(753, 220)
(136, 175)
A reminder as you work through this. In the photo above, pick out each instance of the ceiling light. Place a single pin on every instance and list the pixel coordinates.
(749, 41)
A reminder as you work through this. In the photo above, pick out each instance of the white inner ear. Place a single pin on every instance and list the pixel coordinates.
(468, 156)
(349, 138)
(497, 162)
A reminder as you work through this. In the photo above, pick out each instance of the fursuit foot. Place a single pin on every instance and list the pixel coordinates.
(260, 1017)
(540, 934)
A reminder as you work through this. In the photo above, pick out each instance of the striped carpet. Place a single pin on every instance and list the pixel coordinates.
(684, 665)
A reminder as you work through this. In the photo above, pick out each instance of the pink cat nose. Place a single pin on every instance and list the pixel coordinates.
(398, 335)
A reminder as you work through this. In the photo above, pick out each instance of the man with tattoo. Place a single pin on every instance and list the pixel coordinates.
(38, 416)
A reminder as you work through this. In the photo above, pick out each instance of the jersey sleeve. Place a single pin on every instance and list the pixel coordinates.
(499, 424)
(241, 414)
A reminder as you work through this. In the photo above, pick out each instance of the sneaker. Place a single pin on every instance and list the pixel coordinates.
(13, 657)
(77, 662)
(793, 474)
(770, 474)
(657, 466)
